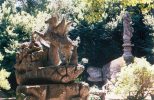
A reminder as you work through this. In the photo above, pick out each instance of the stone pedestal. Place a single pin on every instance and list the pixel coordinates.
(54, 91)
(127, 55)
(50, 74)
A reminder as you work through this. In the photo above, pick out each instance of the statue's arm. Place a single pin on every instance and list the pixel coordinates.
(40, 34)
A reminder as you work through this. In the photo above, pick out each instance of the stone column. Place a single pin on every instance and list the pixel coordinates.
(127, 35)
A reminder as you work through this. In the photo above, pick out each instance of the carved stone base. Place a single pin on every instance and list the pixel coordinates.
(56, 74)
(70, 91)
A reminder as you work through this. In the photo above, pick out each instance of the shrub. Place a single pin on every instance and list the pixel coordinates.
(135, 79)
(4, 84)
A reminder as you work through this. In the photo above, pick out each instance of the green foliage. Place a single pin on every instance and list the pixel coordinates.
(142, 33)
(135, 2)
(100, 37)
(149, 49)
(97, 10)
(97, 38)
(94, 10)
(7, 37)
(96, 41)
(145, 5)
(1, 2)
(135, 79)
(4, 84)
(16, 27)
(32, 6)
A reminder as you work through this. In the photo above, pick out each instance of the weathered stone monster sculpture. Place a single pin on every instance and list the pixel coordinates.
(56, 35)
(39, 72)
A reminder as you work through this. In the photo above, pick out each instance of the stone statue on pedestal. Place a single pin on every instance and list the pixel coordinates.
(111, 69)
(127, 35)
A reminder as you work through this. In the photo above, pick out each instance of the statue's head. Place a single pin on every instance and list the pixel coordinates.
(127, 17)
(58, 27)
(52, 21)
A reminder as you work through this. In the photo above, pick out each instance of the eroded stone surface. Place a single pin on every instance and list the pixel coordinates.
(111, 69)
(95, 74)
(51, 74)
(30, 56)
(70, 91)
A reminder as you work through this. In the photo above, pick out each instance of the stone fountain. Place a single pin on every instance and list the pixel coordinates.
(47, 66)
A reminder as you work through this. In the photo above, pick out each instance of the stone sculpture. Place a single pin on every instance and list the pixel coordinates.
(55, 38)
(127, 35)
(38, 67)
(127, 28)
(112, 68)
